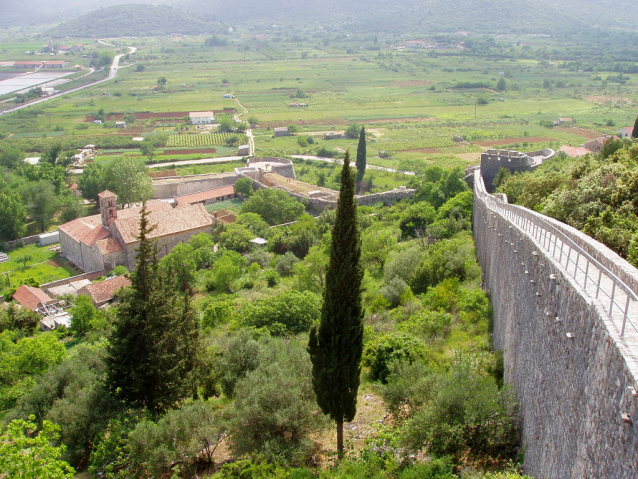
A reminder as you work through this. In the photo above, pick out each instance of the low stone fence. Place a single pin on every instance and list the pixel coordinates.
(90, 276)
(11, 245)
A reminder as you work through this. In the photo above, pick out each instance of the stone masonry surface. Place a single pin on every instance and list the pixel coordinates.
(572, 371)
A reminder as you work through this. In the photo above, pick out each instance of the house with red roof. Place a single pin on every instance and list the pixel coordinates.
(101, 242)
(103, 292)
(31, 298)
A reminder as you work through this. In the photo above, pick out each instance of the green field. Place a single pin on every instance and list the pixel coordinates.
(44, 266)
(412, 101)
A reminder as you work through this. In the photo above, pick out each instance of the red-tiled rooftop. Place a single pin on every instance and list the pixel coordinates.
(106, 194)
(87, 230)
(30, 297)
(105, 290)
(109, 245)
(574, 151)
(166, 223)
(206, 195)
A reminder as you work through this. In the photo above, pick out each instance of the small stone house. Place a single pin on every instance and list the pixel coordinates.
(282, 131)
(626, 132)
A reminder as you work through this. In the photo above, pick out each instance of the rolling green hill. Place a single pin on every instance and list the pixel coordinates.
(132, 20)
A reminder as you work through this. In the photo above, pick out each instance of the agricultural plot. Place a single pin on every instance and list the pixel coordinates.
(203, 139)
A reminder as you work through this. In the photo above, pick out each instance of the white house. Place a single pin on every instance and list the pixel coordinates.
(201, 117)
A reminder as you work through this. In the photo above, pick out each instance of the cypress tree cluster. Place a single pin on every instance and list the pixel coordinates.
(336, 344)
(152, 351)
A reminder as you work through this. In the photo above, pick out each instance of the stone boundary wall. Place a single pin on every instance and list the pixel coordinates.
(90, 276)
(190, 184)
(387, 197)
(562, 356)
(626, 272)
(319, 204)
(27, 240)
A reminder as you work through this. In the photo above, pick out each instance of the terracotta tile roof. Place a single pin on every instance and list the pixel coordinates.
(87, 230)
(573, 151)
(173, 221)
(206, 195)
(106, 194)
(109, 245)
(105, 290)
(30, 297)
(151, 206)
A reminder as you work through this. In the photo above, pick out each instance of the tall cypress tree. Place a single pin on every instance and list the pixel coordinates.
(634, 134)
(152, 349)
(336, 344)
(361, 155)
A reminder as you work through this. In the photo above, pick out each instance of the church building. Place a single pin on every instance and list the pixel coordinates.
(101, 242)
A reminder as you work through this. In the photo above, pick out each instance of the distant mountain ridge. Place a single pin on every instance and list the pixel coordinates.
(189, 16)
(132, 20)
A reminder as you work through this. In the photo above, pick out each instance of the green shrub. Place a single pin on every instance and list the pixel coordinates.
(444, 259)
(218, 311)
(178, 437)
(467, 416)
(284, 263)
(289, 312)
(275, 406)
(384, 349)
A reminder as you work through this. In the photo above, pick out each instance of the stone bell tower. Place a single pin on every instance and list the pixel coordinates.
(108, 208)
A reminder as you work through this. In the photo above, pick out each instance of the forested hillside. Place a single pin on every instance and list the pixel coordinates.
(132, 20)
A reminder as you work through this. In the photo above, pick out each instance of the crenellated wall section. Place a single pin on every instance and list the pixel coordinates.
(572, 368)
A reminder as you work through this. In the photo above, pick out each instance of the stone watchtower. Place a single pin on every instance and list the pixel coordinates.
(108, 208)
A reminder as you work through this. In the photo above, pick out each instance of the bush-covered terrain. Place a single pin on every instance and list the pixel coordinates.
(596, 194)
(244, 394)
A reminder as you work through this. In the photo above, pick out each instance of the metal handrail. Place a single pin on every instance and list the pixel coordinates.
(545, 233)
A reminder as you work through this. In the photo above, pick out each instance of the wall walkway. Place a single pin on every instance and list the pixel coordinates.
(566, 319)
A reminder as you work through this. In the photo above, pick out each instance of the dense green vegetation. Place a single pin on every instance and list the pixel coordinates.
(244, 383)
(228, 384)
(596, 194)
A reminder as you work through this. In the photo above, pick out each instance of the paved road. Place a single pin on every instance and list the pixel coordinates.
(368, 167)
(112, 74)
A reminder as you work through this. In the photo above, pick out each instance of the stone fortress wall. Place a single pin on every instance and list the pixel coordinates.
(493, 160)
(255, 169)
(573, 374)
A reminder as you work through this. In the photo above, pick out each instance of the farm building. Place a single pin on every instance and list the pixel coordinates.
(207, 197)
(333, 135)
(120, 124)
(282, 131)
(626, 132)
(243, 150)
(101, 242)
(595, 145)
(201, 117)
